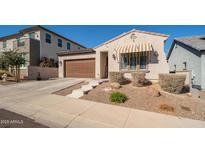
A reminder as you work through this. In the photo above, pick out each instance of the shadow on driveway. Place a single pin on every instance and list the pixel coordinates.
(12, 120)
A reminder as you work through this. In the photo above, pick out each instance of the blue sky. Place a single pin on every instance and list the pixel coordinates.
(93, 35)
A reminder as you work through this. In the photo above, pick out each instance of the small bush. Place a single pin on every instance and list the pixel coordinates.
(118, 97)
(115, 85)
(165, 107)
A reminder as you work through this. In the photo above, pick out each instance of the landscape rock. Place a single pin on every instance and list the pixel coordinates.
(189, 94)
(156, 93)
(115, 85)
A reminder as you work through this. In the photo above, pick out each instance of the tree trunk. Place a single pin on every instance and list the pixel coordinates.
(17, 74)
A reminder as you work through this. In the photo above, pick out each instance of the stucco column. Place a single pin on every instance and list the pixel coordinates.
(97, 65)
(61, 67)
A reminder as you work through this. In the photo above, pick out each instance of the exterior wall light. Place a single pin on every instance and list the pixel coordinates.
(114, 56)
(156, 53)
(60, 63)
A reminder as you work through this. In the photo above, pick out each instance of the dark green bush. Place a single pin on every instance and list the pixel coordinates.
(118, 97)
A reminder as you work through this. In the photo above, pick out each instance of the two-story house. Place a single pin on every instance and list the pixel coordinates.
(37, 42)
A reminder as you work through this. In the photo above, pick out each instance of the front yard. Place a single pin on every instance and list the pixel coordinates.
(147, 98)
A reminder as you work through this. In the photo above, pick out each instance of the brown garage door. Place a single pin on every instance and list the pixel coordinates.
(81, 68)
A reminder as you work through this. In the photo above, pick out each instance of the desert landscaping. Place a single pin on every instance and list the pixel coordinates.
(150, 98)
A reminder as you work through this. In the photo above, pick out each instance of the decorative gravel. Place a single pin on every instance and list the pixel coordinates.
(145, 98)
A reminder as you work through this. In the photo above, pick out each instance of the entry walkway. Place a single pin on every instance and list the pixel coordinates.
(58, 111)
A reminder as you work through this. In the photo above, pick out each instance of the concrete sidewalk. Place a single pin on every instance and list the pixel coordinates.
(59, 111)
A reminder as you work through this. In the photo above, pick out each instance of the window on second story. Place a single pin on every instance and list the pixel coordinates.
(4, 44)
(31, 35)
(68, 45)
(60, 43)
(48, 38)
(20, 42)
(78, 47)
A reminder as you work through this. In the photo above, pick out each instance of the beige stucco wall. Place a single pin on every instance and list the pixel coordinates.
(45, 72)
(113, 65)
(61, 60)
(50, 50)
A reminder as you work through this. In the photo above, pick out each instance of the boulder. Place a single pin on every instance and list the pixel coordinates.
(156, 93)
(189, 94)
(115, 85)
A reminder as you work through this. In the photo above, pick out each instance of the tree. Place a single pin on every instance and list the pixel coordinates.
(48, 62)
(14, 60)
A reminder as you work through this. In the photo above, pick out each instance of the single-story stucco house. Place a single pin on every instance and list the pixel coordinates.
(188, 54)
(134, 50)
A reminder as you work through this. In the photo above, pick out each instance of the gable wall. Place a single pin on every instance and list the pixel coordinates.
(160, 66)
(181, 53)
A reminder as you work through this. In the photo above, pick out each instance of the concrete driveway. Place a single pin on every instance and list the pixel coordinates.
(34, 100)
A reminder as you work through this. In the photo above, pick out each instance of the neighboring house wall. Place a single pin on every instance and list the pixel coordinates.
(10, 42)
(50, 49)
(182, 53)
(46, 49)
(71, 57)
(158, 63)
(203, 71)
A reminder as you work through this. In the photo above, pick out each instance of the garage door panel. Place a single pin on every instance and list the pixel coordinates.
(84, 68)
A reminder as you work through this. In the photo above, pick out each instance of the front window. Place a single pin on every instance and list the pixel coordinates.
(124, 61)
(48, 38)
(4, 44)
(143, 61)
(132, 61)
(60, 42)
(31, 35)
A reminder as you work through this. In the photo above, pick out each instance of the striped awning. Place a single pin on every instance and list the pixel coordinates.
(141, 47)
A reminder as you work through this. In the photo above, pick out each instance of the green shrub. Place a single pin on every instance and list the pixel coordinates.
(118, 97)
